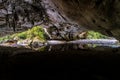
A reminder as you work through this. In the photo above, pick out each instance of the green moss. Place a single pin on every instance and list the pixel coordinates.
(92, 45)
(5, 38)
(42, 48)
(36, 31)
(95, 35)
(22, 35)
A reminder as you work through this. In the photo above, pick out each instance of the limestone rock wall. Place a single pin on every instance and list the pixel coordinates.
(18, 15)
(99, 15)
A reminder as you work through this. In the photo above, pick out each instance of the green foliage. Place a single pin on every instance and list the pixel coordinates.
(95, 35)
(6, 38)
(36, 31)
(22, 35)
(41, 48)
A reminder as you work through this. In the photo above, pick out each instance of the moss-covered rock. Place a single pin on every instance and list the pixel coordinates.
(95, 35)
(26, 37)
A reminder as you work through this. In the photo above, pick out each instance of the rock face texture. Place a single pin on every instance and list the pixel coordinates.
(17, 15)
(20, 15)
(98, 15)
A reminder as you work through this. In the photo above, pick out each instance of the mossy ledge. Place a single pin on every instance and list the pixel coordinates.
(35, 32)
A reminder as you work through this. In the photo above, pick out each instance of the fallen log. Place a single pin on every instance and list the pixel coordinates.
(85, 41)
(95, 41)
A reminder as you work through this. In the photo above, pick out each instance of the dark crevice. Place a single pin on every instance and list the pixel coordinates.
(109, 32)
(100, 26)
(98, 3)
(94, 21)
(103, 20)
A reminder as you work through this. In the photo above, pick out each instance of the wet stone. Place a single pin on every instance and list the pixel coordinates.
(66, 31)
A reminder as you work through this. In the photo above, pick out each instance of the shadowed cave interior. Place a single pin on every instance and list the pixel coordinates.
(38, 41)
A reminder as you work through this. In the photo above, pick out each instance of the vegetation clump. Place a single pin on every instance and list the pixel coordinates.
(36, 31)
(95, 35)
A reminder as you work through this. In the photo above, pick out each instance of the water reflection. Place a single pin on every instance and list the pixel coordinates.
(66, 47)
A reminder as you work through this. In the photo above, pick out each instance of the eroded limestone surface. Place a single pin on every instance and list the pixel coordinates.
(99, 15)
(19, 15)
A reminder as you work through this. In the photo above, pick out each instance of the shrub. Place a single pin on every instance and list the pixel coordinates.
(95, 35)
